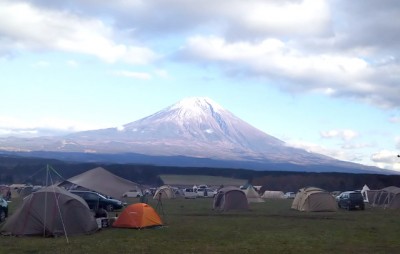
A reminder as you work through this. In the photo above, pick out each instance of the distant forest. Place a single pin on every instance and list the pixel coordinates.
(14, 169)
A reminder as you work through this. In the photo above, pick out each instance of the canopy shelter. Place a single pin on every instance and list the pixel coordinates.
(230, 198)
(102, 181)
(139, 215)
(388, 197)
(51, 211)
(312, 199)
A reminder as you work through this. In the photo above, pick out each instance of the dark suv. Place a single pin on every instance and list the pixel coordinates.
(96, 200)
(3, 209)
(351, 200)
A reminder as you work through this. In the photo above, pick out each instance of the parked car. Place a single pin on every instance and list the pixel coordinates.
(206, 192)
(96, 200)
(351, 200)
(290, 195)
(133, 194)
(189, 193)
(3, 209)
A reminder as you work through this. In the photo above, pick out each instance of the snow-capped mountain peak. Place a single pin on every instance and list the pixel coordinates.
(194, 127)
(195, 107)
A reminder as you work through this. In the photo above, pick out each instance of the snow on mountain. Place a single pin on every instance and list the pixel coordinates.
(193, 127)
(196, 127)
(201, 122)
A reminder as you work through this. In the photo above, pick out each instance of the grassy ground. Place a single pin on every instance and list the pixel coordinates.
(201, 179)
(270, 227)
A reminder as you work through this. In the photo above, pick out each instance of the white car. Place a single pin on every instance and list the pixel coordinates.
(290, 195)
(189, 193)
(133, 194)
(206, 193)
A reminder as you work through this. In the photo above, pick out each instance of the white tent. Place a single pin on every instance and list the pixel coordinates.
(252, 195)
(273, 194)
(164, 192)
(102, 181)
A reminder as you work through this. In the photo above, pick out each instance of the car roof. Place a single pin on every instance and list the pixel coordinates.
(349, 192)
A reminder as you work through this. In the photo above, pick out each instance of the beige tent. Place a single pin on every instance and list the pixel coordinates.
(102, 181)
(273, 194)
(313, 199)
(51, 211)
(164, 192)
(252, 195)
(230, 198)
(388, 197)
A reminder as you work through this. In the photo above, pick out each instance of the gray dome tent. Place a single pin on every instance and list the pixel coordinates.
(230, 198)
(51, 211)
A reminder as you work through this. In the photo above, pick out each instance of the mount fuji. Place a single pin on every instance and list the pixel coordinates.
(193, 132)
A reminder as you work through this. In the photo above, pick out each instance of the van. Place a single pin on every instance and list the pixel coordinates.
(133, 194)
(189, 193)
(206, 193)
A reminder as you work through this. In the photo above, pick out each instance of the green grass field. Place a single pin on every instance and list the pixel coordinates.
(201, 179)
(270, 227)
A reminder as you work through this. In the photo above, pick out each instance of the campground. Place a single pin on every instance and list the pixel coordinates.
(270, 227)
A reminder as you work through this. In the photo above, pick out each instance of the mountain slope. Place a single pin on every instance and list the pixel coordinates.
(194, 127)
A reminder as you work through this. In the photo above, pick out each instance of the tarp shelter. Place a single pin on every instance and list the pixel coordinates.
(51, 211)
(139, 215)
(273, 194)
(388, 197)
(364, 192)
(230, 198)
(164, 192)
(102, 181)
(313, 199)
(252, 195)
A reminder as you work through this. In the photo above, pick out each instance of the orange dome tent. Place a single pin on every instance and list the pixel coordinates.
(139, 215)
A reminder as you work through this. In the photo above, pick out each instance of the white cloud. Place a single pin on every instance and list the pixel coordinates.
(132, 74)
(301, 46)
(342, 134)
(17, 132)
(386, 159)
(14, 126)
(273, 58)
(235, 18)
(338, 154)
(306, 17)
(26, 27)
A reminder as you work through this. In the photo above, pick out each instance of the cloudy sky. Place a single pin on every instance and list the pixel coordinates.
(321, 75)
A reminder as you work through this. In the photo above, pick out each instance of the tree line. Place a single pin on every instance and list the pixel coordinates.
(15, 169)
